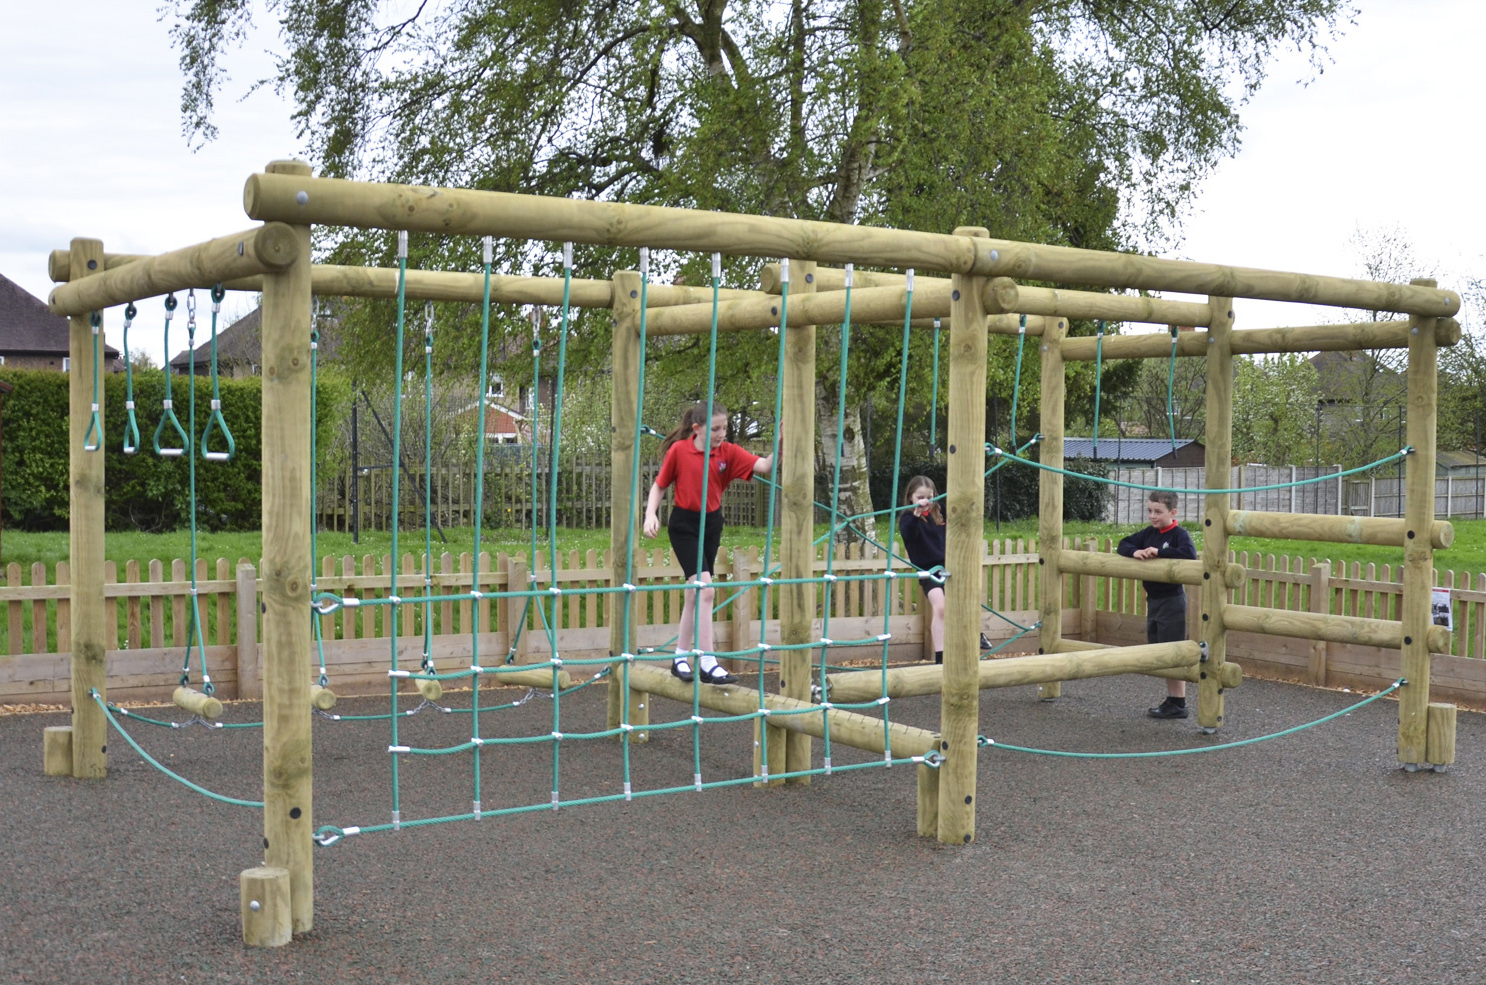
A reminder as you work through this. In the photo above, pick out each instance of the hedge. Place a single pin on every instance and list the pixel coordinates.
(142, 491)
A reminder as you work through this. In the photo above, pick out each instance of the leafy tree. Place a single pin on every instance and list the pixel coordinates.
(1080, 122)
(1274, 402)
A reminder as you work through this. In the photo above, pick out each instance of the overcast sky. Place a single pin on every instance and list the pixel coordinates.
(1390, 134)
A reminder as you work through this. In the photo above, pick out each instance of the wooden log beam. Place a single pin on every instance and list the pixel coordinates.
(1006, 296)
(288, 758)
(869, 305)
(59, 262)
(1038, 668)
(1381, 531)
(1418, 554)
(964, 502)
(1166, 570)
(849, 728)
(1252, 341)
(1334, 629)
(367, 205)
(540, 677)
(189, 699)
(1231, 675)
(255, 251)
(90, 620)
(624, 705)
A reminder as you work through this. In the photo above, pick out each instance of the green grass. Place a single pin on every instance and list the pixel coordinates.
(1468, 552)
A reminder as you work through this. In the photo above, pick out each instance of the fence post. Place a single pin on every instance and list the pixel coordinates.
(740, 617)
(1088, 599)
(513, 610)
(249, 665)
(1320, 603)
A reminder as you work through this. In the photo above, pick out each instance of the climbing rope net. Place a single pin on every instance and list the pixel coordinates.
(541, 603)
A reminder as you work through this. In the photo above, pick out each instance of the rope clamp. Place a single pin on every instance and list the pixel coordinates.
(477, 741)
(399, 673)
(763, 648)
(398, 749)
(764, 712)
(556, 661)
(394, 599)
(557, 736)
(628, 587)
(884, 637)
(883, 700)
(826, 641)
(697, 720)
(476, 669)
(826, 706)
(830, 577)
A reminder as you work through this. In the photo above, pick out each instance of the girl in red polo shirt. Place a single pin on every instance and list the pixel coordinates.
(683, 455)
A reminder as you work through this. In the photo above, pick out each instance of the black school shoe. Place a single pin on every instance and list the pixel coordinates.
(681, 670)
(718, 675)
(985, 644)
(1168, 709)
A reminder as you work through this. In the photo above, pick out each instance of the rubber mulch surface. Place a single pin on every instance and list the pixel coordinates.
(1311, 858)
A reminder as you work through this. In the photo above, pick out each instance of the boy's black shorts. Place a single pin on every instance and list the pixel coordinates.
(1166, 618)
(686, 528)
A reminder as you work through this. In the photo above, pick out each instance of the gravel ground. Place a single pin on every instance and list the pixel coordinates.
(1311, 858)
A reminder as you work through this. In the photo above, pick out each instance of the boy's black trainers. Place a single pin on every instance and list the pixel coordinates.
(985, 644)
(1168, 709)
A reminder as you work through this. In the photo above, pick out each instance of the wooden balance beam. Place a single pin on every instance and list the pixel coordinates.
(1039, 668)
(847, 727)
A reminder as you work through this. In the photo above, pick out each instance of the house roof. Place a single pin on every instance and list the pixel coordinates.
(240, 342)
(1123, 449)
(28, 325)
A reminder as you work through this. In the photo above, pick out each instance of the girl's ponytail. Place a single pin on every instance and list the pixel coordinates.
(692, 416)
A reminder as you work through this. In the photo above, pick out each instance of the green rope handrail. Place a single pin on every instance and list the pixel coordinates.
(1098, 382)
(194, 633)
(984, 742)
(220, 798)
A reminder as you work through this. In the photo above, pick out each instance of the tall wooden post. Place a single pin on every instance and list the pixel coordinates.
(85, 534)
(965, 502)
(1050, 499)
(623, 507)
(1218, 466)
(288, 817)
(797, 525)
(1418, 551)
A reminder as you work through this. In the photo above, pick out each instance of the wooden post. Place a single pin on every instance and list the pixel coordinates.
(1321, 605)
(623, 505)
(797, 525)
(965, 500)
(1418, 552)
(56, 750)
(1217, 460)
(1050, 500)
(1088, 600)
(85, 536)
(1440, 746)
(249, 660)
(741, 616)
(288, 815)
(928, 801)
(264, 896)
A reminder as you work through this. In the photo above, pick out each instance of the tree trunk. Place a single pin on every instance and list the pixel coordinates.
(856, 493)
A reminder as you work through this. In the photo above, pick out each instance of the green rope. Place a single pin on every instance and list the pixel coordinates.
(98, 699)
(1330, 476)
(1171, 390)
(1098, 382)
(428, 482)
(487, 246)
(993, 744)
(216, 419)
(131, 426)
(562, 364)
(1016, 388)
(392, 612)
(169, 403)
(324, 680)
(933, 402)
(765, 604)
(194, 633)
(93, 437)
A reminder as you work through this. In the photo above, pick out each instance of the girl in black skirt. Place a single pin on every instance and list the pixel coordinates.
(688, 453)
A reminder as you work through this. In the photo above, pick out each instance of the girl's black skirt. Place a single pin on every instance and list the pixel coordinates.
(686, 529)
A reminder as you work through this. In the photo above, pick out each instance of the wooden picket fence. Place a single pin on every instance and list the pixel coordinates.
(151, 621)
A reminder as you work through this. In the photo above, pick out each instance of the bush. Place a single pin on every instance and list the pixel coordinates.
(142, 491)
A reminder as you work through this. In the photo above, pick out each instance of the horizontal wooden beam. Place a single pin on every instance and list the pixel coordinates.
(1168, 570)
(870, 305)
(1382, 531)
(1232, 673)
(1005, 296)
(59, 263)
(1037, 668)
(1252, 341)
(368, 205)
(256, 251)
(1323, 626)
(848, 728)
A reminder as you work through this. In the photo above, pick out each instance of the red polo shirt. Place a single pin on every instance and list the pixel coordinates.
(683, 466)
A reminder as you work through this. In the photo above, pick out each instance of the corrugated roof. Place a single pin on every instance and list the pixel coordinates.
(1122, 448)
